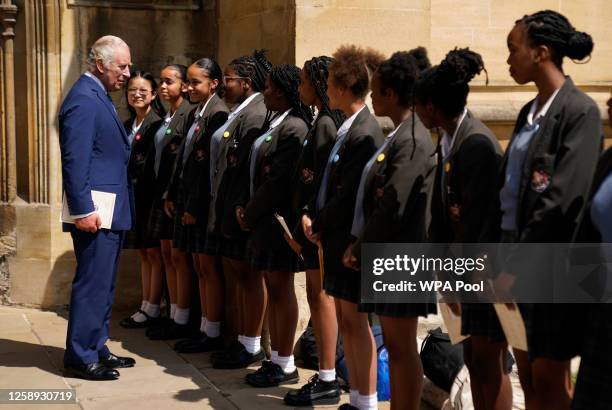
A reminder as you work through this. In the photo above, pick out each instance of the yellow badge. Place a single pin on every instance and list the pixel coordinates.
(380, 158)
(447, 167)
(226, 134)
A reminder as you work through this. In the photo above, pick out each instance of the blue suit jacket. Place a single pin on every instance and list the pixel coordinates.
(95, 152)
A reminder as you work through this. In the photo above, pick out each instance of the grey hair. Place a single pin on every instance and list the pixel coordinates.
(104, 49)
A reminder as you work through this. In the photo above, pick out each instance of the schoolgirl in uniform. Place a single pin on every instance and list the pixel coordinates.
(322, 388)
(464, 207)
(547, 174)
(392, 207)
(168, 140)
(244, 81)
(357, 140)
(272, 165)
(594, 380)
(146, 112)
(188, 196)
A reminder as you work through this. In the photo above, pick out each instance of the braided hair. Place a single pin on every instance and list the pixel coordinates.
(554, 30)
(213, 70)
(156, 105)
(446, 85)
(287, 78)
(255, 67)
(399, 73)
(317, 70)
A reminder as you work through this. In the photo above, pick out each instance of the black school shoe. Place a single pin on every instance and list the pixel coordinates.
(236, 358)
(170, 332)
(234, 346)
(130, 323)
(347, 406)
(315, 392)
(271, 375)
(201, 344)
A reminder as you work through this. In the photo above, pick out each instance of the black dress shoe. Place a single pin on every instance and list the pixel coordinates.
(271, 375)
(91, 371)
(171, 332)
(199, 345)
(237, 359)
(315, 392)
(115, 362)
(130, 323)
(234, 346)
(347, 406)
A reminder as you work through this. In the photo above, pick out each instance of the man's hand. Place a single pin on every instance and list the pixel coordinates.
(240, 219)
(307, 227)
(349, 260)
(169, 208)
(90, 223)
(188, 219)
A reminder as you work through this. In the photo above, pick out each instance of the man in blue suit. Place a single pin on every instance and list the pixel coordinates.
(95, 154)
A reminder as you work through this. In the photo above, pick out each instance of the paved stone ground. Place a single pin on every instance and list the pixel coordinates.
(32, 346)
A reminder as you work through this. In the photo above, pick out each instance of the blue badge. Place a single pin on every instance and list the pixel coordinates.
(336, 158)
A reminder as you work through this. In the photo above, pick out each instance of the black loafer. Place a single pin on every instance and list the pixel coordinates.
(130, 323)
(171, 332)
(115, 362)
(315, 392)
(199, 345)
(91, 371)
(237, 359)
(347, 406)
(234, 346)
(271, 375)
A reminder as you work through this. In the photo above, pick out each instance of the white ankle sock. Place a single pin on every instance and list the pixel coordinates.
(139, 317)
(172, 310)
(212, 329)
(143, 305)
(252, 344)
(152, 310)
(368, 402)
(241, 340)
(202, 324)
(327, 375)
(274, 356)
(353, 396)
(287, 363)
(181, 316)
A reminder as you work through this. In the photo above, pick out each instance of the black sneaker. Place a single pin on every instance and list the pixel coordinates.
(170, 332)
(199, 345)
(271, 375)
(236, 359)
(315, 392)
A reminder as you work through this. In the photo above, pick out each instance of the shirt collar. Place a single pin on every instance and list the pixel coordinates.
(534, 106)
(200, 114)
(279, 119)
(97, 80)
(349, 121)
(244, 104)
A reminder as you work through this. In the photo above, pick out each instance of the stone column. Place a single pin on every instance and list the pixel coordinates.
(8, 171)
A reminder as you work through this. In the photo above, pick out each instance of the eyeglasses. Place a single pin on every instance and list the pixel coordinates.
(141, 91)
(227, 78)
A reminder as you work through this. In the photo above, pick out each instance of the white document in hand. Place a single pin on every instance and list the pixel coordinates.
(513, 325)
(104, 203)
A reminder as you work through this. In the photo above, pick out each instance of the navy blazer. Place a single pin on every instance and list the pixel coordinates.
(95, 152)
